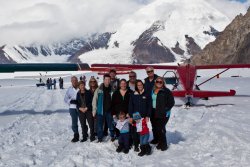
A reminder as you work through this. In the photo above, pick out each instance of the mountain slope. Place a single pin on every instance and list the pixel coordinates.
(57, 52)
(231, 46)
(184, 28)
(195, 19)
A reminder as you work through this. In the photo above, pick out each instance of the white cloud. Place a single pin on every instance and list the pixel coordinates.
(52, 20)
(230, 8)
(43, 21)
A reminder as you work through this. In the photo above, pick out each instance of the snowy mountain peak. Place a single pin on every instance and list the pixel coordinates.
(170, 22)
(57, 52)
(161, 31)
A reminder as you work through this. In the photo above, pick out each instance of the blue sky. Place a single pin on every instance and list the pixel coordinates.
(241, 0)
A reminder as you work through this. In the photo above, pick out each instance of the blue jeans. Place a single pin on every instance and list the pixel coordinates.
(74, 118)
(100, 122)
(144, 139)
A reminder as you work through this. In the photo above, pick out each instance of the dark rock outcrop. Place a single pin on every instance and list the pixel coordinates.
(177, 49)
(149, 49)
(3, 57)
(212, 32)
(95, 42)
(192, 47)
(232, 46)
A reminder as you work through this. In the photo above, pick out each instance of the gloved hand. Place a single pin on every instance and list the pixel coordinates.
(73, 102)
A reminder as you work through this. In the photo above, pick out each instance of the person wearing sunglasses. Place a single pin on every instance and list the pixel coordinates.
(93, 85)
(150, 80)
(132, 79)
(162, 103)
(70, 99)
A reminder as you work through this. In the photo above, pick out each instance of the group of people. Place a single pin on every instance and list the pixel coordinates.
(122, 107)
(51, 82)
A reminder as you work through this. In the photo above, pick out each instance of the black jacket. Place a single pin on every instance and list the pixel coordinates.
(115, 84)
(88, 99)
(141, 103)
(149, 85)
(107, 98)
(164, 103)
(129, 87)
(119, 103)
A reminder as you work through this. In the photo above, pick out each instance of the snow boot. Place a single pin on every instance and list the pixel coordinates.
(136, 149)
(76, 138)
(112, 139)
(92, 138)
(154, 141)
(83, 140)
(148, 149)
(164, 147)
(125, 151)
(158, 147)
(143, 151)
(119, 149)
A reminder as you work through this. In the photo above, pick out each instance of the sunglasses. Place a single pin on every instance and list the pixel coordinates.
(132, 76)
(150, 71)
(92, 81)
(159, 82)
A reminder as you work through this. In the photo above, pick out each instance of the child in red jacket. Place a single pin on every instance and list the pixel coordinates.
(142, 129)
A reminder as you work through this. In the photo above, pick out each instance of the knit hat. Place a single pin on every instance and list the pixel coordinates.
(136, 116)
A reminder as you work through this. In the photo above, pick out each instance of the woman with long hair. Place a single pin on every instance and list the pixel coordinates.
(93, 85)
(140, 110)
(120, 100)
(84, 106)
(162, 103)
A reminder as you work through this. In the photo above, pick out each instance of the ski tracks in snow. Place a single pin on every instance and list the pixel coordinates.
(39, 134)
(212, 136)
(41, 137)
(25, 139)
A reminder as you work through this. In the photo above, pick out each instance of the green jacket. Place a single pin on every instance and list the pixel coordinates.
(97, 102)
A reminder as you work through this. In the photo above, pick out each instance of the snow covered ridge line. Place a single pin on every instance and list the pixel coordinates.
(161, 31)
(177, 28)
(67, 51)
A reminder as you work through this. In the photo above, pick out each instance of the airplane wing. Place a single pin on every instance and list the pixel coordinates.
(106, 69)
(117, 73)
(133, 67)
(203, 94)
(24, 67)
(203, 67)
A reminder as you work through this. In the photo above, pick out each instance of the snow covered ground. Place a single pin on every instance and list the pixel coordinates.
(35, 131)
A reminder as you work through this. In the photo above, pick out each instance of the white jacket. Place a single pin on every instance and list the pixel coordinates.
(70, 95)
